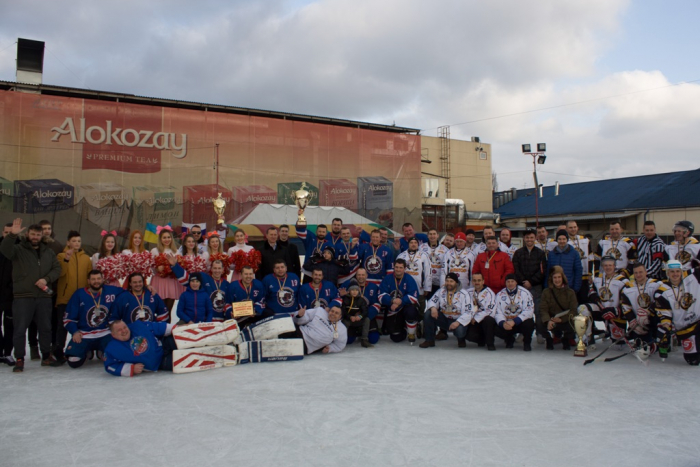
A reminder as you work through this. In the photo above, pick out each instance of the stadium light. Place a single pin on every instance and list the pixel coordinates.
(538, 158)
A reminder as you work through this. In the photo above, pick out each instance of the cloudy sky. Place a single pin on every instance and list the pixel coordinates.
(607, 84)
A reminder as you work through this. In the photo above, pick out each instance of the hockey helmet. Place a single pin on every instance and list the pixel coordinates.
(686, 225)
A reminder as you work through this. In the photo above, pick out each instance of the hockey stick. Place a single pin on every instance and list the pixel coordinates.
(591, 360)
(612, 359)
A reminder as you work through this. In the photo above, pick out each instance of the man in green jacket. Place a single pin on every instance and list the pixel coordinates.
(34, 267)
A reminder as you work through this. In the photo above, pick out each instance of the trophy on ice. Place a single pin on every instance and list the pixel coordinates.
(580, 327)
(302, 198)
(219, 207)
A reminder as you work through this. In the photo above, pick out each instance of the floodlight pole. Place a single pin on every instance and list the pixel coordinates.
(535, 155)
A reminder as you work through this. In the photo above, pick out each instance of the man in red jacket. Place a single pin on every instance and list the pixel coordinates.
(494, 265)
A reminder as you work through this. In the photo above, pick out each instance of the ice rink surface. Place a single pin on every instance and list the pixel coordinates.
(393, 405)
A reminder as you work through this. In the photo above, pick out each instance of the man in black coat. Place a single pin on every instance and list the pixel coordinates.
(6, 303)
(271, 251)
(530, 263)
(295, 264)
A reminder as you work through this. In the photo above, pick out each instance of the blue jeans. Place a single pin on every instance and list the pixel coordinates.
(443, 322)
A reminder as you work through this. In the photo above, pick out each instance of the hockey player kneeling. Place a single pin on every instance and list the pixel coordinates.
(450, 309)
(321, 330)
(137, 346)
(678, 308)
(399, 299)
(514, 313)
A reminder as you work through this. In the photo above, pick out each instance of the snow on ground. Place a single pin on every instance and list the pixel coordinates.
(393, 405)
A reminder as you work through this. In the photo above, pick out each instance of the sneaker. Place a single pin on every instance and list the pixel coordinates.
(461, 343)
(366, 344)
(51, 361)
(491, 347)
(34, 353)
(10, 361)
(527, 347)
(426, 344)
(441, 336)
(19, 367)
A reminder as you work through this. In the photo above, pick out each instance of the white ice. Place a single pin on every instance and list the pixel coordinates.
(393, 405)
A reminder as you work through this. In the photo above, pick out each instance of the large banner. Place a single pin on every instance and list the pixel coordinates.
(126, 165)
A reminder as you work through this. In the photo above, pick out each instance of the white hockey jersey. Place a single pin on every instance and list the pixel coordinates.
(684, 253)
(484, 303)
(436, 255)
(546, 246)
(476, 248)
(461, 263)
(319, 332)
(455, 306)
(518, 306)
(679, 304)
(507, 249)
(418, 267)
(607, 289)
(582, 246)
(619, 249)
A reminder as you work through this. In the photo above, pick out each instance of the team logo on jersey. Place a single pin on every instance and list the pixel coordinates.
(97, 315)
(458, 262)
(217, 300)
(373, 265)
(285, 297)
(615, 253)
(435, 258)
(689, 345)
(686, 301)
(139, 345)
(683, 256)
(141, 314)
(644, 300)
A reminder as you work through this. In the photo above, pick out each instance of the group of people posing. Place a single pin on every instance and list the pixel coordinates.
(346, 287)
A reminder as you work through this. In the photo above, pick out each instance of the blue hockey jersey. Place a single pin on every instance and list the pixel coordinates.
(281, 295)
(312, 244)
(89, 312)
(143, 346)
(218, 294)
(378, 261)
(326, 295)
(146, 307)
(405, 289)
(237, 293)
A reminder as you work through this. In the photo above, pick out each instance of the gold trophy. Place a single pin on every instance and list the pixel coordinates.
(219, 207)
(301, 199)
(580, 327)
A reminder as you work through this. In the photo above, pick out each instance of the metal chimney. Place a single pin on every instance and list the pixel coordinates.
(30, 61)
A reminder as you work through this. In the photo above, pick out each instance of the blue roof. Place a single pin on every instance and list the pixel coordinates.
(668, 190)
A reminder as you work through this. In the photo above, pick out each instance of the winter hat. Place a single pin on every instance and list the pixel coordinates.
(560, 233)
(453, 276)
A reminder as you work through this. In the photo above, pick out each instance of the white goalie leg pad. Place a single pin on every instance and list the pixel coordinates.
(268, 328)
(203, 358)
(205, 334)
(272, 350)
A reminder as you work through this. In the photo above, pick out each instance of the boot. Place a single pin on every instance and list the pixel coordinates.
(441, 336)
(527, 347)
(491, 347)
(565, 344)
(19, 366)
(365, 343)
(426, 344)
(461, 343)
(550, 343)
(34, 353)
(509, 342)
(49, 360)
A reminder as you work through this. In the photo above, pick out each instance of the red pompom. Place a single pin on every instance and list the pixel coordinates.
(162, 260)
(112, 267)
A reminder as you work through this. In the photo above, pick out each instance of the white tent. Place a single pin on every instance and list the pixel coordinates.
(276, 214)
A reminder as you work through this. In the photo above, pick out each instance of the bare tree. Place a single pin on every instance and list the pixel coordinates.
(494, 181)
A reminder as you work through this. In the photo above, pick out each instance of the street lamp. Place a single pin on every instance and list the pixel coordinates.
(538, 158)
